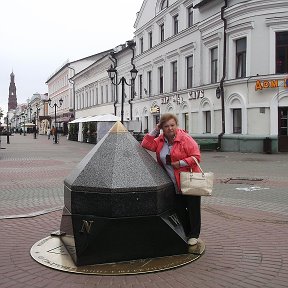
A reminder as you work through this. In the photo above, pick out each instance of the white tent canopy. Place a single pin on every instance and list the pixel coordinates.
(78, 120)
(97, 118)
(28, 124)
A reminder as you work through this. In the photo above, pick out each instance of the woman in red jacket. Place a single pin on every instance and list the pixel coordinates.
(174, 148)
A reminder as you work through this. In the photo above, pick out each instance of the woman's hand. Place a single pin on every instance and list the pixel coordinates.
(176, 164)
(157, 127)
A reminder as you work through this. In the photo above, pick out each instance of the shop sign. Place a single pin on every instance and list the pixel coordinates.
(260, 85)
(155, 109)
(197, 94)
(170, 99)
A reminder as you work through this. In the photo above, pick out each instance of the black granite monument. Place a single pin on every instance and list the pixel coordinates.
(119, 205)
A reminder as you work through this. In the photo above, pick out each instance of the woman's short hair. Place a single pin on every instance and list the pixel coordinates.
(166, 117)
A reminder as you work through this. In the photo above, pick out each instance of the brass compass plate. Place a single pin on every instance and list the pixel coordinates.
(51, 252)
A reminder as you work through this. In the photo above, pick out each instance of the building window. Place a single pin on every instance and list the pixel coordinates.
(146, 122)
(86, 100)
(207, 121)
(77, 102)
(164, 4)
(93, 97)
(190, 16)
(175, 24)
(140, 86)
(150, 37)
(97, 100)
(189, 69)
(283, 121)
(112, 87)
(241, 58)
(174, 76)
(282, 52)
(89, 97)
(214, 64)
(186, 122)
(161, 80)
(102, 95)
(141, 45)
(149, 82)
(97, 95)
(107, 99)
(237, 121)
(161, 32)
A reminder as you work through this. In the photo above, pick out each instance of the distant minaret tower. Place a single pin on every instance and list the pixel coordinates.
(12, 100)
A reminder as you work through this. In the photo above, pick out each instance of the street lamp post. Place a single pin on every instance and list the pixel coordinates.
(19, 123)
(7, 128)
(36, 121)
(30, 110)
(35, 130)
(24, 116)
(55, 107)
(112, 72)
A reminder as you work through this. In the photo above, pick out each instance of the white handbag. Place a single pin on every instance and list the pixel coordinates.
(196, 184)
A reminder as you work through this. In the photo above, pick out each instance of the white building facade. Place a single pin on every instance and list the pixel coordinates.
(238, 95)
(221, 66)
(60, 86)
(95, 94)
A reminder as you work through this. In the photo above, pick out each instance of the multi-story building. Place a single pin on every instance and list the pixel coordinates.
(60, 86)
(38, 112)
(94, 92)
(221, 66)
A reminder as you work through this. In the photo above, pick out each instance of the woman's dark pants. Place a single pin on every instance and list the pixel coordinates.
(188, 209)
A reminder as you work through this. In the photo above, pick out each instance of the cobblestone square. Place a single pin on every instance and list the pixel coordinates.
(244, 223)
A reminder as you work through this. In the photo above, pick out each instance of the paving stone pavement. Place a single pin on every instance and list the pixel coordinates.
(244, 223)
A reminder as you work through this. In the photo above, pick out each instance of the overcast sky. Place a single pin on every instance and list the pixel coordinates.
(38, 36)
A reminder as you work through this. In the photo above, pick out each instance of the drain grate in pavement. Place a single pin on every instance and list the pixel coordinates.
(242, 180)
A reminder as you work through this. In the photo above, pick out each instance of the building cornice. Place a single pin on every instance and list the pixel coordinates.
(211, 38)
(276, 21)
(240, 27)
(253, 7)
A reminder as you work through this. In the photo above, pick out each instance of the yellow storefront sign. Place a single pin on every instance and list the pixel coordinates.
(260, 85)
(266, 84)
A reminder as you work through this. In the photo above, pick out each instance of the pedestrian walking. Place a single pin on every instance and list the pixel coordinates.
(48, 133)
(54, 134)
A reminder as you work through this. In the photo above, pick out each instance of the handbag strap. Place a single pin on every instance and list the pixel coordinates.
(196, 161)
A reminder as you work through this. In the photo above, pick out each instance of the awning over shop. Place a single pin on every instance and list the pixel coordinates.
(97, 118)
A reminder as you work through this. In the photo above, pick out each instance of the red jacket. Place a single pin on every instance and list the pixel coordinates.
(184, 146)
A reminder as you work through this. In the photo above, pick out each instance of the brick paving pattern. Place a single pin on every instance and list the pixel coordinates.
(244, 224)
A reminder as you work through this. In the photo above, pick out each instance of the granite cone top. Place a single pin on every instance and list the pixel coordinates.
(118, 127)
(118, 163)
